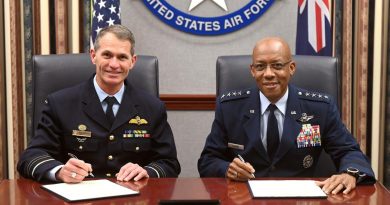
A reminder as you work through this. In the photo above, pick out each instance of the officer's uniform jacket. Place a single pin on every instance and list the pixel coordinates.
(73, 121)
(311, 123)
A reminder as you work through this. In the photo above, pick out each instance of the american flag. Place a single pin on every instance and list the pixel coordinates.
(104, 13)
(314, 31)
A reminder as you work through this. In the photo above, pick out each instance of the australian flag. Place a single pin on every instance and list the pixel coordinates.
(314, 31)
(105, 13)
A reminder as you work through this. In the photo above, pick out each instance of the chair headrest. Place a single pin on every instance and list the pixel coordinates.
(55, 72)
(315, 73)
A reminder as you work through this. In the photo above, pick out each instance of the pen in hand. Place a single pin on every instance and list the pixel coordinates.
(242, 160)
(74, 156)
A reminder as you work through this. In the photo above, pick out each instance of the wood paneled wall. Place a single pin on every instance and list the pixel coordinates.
(3, 133)
(15, 108)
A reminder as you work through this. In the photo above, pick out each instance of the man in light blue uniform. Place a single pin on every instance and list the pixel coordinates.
(279, 129)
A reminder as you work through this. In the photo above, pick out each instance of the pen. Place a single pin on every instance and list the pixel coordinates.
(74, 156)
(242, 160)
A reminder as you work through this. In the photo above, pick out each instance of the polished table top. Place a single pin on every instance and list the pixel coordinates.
(26, 191)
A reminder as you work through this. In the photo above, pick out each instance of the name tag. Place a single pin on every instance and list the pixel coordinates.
(236, 146)
(81, 133)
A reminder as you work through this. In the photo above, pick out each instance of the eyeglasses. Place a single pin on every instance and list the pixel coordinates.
(263, 66)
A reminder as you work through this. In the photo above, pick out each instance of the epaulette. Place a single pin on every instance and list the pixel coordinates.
(236, 94)
(315, 96)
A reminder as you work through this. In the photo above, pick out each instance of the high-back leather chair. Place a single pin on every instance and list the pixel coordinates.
(55, 72)
(315, 73)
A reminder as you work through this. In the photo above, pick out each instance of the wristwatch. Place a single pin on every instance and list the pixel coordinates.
(353, 172)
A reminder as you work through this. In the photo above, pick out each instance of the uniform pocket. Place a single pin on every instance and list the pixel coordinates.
(136, 145)
(81, 144)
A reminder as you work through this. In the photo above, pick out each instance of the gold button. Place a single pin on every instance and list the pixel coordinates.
(108, 175)
(80, 147)
(137, 148)
(110, 157)
(112, 137)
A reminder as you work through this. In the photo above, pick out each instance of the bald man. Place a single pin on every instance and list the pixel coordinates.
(279, 130)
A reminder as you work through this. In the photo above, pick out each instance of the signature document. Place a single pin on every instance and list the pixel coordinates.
(285, 189)
(92, 189)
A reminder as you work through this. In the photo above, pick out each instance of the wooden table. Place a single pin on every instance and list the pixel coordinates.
(25, 191)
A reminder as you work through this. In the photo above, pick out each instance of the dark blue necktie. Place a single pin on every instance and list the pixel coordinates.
(109, 112)
(272, 132)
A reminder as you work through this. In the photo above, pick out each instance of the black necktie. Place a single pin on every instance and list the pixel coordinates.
(272, 132)
(109, 113)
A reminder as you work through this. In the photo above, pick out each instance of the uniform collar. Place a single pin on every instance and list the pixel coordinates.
(281, 104)
(102, 95)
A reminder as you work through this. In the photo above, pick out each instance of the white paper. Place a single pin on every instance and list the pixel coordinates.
(91, 189)
(285, 188)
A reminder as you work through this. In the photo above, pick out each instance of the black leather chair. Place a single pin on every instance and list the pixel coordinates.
(55, 72)
(315, 73)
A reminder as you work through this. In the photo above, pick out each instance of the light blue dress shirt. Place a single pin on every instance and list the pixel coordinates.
(280, 113)
(102, 95)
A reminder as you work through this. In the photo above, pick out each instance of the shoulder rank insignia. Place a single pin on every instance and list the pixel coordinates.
(236, 94)
(305, 117)
(137, 120)
(313, 96)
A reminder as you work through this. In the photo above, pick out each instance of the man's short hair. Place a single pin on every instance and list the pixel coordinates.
(121, 32)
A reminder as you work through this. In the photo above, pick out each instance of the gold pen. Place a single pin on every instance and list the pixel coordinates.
(74, 156)
(242, 160)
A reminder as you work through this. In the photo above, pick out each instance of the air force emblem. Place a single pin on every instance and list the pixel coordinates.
(307, 162)
(305, 117)
(208, 26)
(137, 120)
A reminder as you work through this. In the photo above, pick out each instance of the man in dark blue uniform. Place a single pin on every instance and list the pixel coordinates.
(111, 127)
(279, 129)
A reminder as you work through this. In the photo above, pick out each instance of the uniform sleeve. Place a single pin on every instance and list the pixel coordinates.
(164, 161)
(43, 151)
(214, 159)
(343, 147)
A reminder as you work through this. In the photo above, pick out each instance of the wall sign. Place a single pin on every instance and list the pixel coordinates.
(208, 26)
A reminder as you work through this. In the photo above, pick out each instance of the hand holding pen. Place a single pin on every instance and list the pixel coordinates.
(240, 170)
(242, 160)
(74, 170)
(74, 156)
